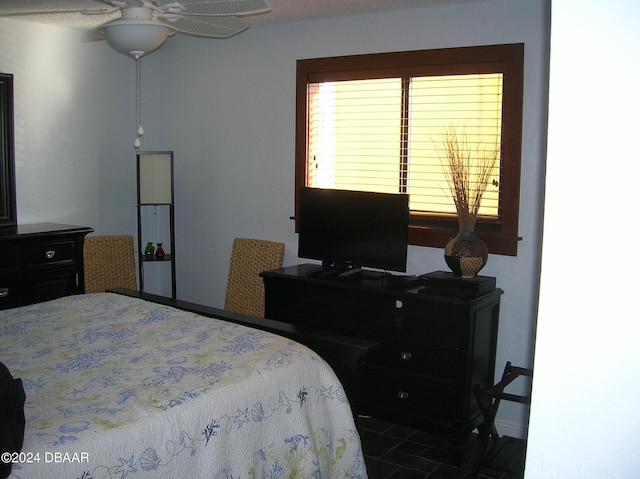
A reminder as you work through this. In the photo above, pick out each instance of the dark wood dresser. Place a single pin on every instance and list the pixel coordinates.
(437, 337)
(40, 262)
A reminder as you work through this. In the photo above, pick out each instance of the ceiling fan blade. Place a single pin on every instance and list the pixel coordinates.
(213, 27)
(93, 34)
(218, 7)
(92, 8)
(92, 11)
(124, 3)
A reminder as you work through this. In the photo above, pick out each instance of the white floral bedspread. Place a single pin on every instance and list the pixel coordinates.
(121, 388)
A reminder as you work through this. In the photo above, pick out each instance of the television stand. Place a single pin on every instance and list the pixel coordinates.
(437, 338)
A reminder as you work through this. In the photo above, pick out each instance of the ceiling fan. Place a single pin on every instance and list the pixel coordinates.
(141, 26)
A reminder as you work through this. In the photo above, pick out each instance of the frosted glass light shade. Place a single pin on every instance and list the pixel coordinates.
(155, 178)
(136, 37)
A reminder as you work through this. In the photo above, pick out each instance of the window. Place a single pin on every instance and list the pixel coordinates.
(377, 123)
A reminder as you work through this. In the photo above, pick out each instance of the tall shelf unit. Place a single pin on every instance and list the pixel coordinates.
(156, 211)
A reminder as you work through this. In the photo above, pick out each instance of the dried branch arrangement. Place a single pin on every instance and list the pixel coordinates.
(468, 172)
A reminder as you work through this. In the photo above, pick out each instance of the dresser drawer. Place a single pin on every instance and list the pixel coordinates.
(418, 358)
(55, 284)
(432, 319)
(53, 253)
(407, 393)
(9, 260)
(12, 293)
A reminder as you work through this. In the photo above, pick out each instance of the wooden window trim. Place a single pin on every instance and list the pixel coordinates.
(508, 59)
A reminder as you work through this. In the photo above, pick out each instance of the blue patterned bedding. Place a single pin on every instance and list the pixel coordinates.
(122, 388)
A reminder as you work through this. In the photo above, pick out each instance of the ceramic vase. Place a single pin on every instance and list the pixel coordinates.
(466, 254)
(159, 251)
(149, 250)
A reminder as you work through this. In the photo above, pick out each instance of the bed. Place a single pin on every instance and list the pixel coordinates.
(120, 387)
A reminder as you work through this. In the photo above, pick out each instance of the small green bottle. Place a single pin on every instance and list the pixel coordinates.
(149, 250)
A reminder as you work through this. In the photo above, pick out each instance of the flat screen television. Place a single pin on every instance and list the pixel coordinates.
(353, 229)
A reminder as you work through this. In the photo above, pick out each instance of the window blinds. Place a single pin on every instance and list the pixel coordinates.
(387, 134)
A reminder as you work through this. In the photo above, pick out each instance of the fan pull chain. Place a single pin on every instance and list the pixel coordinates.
(139, 129)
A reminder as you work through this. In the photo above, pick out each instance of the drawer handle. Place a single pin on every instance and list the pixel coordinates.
(405, 356)
(50, 254)
(4, 292)
(403, 395)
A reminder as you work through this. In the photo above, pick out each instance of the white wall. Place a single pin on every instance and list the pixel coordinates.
(228, 113)
(74, 116)
(585, 422)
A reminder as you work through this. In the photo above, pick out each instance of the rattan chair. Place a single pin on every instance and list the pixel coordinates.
(108, 263)
(245, 290)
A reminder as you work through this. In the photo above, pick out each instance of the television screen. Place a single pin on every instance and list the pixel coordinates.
(352, 229)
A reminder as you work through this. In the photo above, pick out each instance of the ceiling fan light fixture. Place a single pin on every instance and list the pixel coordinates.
(129, 36)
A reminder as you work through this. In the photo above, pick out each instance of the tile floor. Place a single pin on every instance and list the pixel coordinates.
(398, 452)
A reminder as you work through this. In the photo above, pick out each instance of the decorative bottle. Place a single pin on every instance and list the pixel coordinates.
(149, 250)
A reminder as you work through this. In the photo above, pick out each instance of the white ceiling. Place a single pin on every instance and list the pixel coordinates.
(282, 11)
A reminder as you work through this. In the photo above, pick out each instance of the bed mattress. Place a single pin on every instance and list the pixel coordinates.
(118, 387)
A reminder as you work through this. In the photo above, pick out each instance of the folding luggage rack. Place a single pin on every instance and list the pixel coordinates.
(506, 453)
